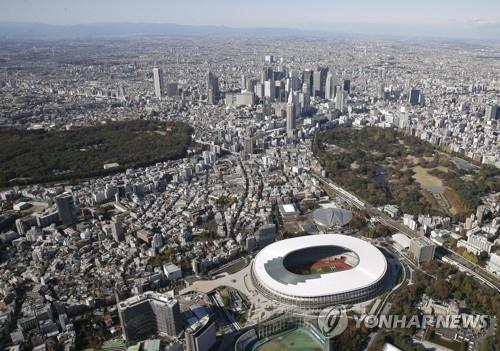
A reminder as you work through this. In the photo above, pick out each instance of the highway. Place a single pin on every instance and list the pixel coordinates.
(449, 256)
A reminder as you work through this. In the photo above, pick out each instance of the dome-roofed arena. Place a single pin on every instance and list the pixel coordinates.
(320, 270)
(331, 217)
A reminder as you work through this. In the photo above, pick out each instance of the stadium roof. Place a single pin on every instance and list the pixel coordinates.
(270, 271)
(332, 217)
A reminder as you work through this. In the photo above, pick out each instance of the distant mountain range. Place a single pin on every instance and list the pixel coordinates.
(40, 31)
(11, 30)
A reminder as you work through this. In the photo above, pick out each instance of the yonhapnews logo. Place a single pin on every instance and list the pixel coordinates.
(332, 321)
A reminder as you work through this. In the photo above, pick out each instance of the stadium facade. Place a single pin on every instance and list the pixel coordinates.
(320, 270)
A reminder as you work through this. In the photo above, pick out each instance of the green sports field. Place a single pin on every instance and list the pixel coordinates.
(294, 340)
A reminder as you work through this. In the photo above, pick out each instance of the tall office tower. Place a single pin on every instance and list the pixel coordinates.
(292, 83)
(158, 81)
(201, 335)
(305, 89)
(307, 80)
(172, 89)
(492, 112)
(268, 59)
(269, 89)
(381, 92)
(414, 98)
(330, 84)
(304, 101)
(117, 229)
(267, 74)
(212, 88)
(259, 90)
(66, 208)
(422, 249)
(248, 146)
(149, 315)
(243, 82)
(250, 84)
(290, 116)
(347, 86)
(319, 80)
(340, 100)
(265, 235)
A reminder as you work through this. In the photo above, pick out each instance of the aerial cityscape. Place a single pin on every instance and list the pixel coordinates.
(191, 181)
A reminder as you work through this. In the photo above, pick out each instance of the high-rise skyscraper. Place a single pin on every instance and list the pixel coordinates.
(259, 90)
(172, 89)
(267, 74)
(414, 98)
(270, 89)
(340, 99)
(201, 335)
(66, 208)
(347, 86)
(330, 84)
(307, 81)
(492, 112)
(319, 80)
(290, 116)
(158, 82)
(117, 229)
(149, 314)
(212, 88)
(243, 82)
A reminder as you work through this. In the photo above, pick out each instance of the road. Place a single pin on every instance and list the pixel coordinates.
(478, 272)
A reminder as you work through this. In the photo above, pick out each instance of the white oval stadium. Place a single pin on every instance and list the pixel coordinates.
(320, 270)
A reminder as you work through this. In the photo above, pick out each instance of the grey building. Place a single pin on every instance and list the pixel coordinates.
(422, 249)
(158, 82)
(201, 336)
(414, 97)
(66, 208)
(212, 88)
(319, 81)
(290, 116)
(265, 235)
(149, 314)
(117, 229)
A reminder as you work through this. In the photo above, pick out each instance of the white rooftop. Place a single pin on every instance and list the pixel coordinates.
(370, 269)
(289, 208)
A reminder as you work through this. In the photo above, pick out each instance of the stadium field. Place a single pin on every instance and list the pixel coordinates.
(294, 340)
(328, 265)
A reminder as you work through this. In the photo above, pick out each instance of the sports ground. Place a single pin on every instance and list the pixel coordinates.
(293, 340)
(327, 265)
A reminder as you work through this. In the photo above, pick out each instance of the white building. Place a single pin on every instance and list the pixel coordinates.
(493, 264)
(476, 244)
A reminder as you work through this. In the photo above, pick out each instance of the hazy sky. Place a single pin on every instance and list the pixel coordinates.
(251, 13)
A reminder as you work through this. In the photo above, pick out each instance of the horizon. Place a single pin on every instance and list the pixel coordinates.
(444, 19)
(12, 30)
